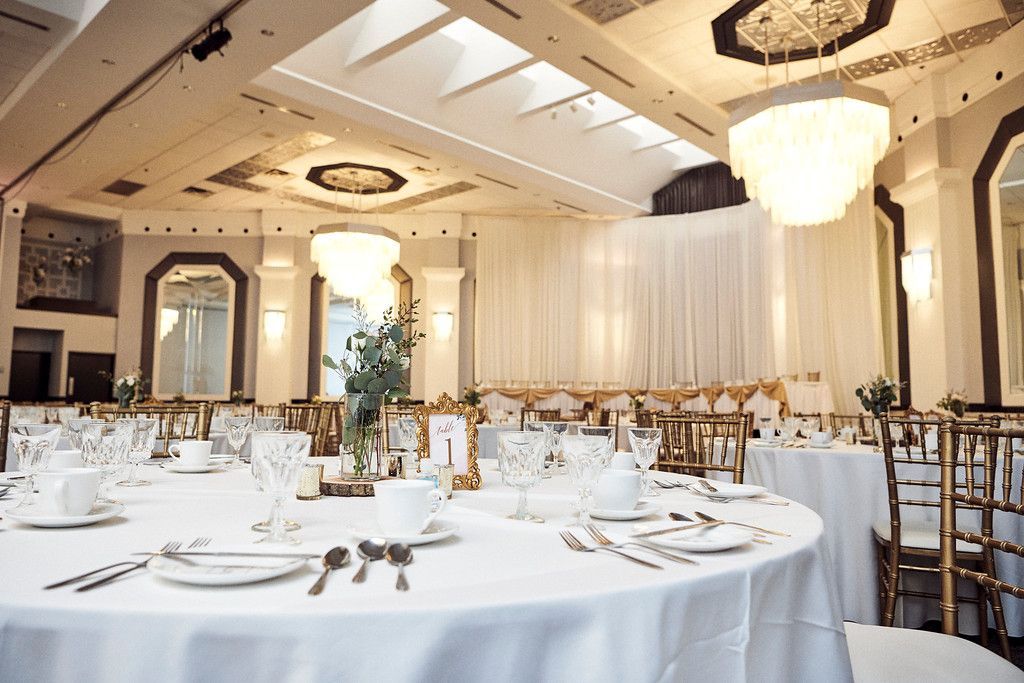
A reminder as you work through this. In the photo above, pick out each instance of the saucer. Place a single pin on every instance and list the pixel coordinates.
(729, 490)
(48, 520)
(438, 530)
(642, 509)
(765, 443)
(193, 469)
(701, 539)
(212, 571)
(830, 444)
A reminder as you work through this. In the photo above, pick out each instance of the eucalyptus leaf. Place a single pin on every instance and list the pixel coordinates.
(378, 385)
(359, 335)
(363, 379)
(396, 333)
(348, 435)
(371, 354)
(328, 362)
(346, 368)
(395, 394)
(393, 378)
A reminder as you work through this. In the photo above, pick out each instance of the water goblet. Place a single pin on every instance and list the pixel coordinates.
(645, 443)
(264, 423)
(521, 461)
(143, 439)
(553, 432)
(279, 457)
(33, 444)
(407, 439)
(792, 426)
(238, 429)
(74, 428)
(606, 432)
(105, 447)
(264, 526)
(585, 458)
(766, 428)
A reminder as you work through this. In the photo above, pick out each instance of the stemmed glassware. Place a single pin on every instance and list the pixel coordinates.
(278, 458)
(140, 448)
(646, 443)
(606, 432)
(553, 432)
(766, 430)
(585, 458)
(521, 461)
(238, 429)
(407, 438)
(264, 423)
(105, 447)
(74, 428)
(33, 444)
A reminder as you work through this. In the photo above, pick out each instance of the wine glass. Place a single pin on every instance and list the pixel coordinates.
(645, 443)
(766, 430)
(553, 432)
(33, 444)
(264, 423)
(143, 439)
(264, 526)
(407, 438)
(75, 430)
(606, 432)
(279, 457)
(105, 447)
(521, 461)
(238, 431)
(585, 457)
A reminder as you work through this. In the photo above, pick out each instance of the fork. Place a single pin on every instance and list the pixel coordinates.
(197, 543)
(603, 540)
(720, 499)
(170, 546)
(575, 544)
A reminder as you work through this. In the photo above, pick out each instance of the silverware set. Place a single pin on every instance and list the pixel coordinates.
(370, 550)
(700, 489)
(169, 548)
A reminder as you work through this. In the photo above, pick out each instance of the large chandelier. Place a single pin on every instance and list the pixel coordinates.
(805, 151)
(355, 258)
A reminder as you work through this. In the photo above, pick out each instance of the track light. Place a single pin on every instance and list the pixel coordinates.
(573, 108)
(591, 101)
(214, 41)
(554, 114)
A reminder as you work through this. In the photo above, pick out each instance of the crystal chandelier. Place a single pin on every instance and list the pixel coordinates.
(355, 259)
(805, 151)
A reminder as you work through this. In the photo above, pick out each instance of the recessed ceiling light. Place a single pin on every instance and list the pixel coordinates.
(553, 39)
(657, 100)
(108, 62)
(187, 88)
(347, 130)
(573, 108)
(554, 114)
(62, 105)
(134, 125)
(591, 101)
(266, 32)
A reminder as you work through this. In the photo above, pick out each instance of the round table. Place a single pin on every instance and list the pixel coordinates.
(500, 600)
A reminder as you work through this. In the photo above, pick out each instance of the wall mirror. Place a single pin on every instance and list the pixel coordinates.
(193, 327)
(1007, 198)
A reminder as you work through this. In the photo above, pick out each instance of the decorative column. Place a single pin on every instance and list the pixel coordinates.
(10, 254)
(440, 316)
(931, 205)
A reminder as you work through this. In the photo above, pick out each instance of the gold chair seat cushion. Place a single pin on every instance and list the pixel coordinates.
(880, 653)
(922, 535)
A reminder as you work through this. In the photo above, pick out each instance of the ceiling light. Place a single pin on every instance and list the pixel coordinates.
(553, 39)
(187, 88)
(805, 151)
(354, 258)
(554, 114)
(573, 108)
(214, 41)
(266, 32)
(62, 105)
(347, 130)
(108, 62)
(591, 101)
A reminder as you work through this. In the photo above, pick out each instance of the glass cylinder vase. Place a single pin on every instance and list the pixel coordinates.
(361, 437)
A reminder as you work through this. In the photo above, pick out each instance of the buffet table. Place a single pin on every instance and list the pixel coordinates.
(500, 600)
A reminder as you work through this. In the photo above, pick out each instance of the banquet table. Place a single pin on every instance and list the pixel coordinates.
(846, 486)
(500, 600)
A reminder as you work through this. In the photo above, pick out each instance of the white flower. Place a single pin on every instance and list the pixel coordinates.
(130, 381)
(360, 344)
(403, 363)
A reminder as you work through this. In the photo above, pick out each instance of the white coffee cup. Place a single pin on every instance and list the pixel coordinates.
(622, 461)
(821, 438)
(848, 434)
(191, 453)
(617, 490)
(405, 507)
(68, 492)
(62, 460)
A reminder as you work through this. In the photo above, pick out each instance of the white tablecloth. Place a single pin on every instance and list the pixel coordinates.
(846, 486)
(500, 601)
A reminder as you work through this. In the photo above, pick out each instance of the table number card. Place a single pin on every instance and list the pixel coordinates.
(446, 433)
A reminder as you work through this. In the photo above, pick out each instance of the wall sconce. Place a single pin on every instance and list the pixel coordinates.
(273, 324)
(917, 273)
(444, 324)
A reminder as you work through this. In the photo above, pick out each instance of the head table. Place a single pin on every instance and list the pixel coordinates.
(500, 600)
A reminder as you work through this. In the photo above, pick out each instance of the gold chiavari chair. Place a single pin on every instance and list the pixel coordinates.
(862, 423)
(537, 415)
(179, 422)
(994, 493)
(268, 410)
(311, 418)
(391, 414)
(904, 546)
(602, 417)
(697, 445)
(5, 424)
(645, 418)
(811, 416)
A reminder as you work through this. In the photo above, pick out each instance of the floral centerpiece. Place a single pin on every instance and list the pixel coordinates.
(237, 397)
(373, 370)
(127, 387)
(637, 402)
(954, 402)
(472, 396)
(877, 395)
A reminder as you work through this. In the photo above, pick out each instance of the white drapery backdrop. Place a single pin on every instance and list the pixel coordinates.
(648, 302)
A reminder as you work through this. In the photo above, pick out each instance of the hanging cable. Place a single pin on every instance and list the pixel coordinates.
(765, 20)
(817, 8)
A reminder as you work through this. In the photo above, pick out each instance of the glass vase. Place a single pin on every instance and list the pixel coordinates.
(361, 438)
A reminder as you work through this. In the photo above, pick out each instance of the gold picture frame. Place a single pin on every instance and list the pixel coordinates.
(467, 469)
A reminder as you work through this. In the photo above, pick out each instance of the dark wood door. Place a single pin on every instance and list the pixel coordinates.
(30, 376)
(85, 383)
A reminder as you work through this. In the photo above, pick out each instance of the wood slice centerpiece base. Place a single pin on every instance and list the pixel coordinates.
(348, 488)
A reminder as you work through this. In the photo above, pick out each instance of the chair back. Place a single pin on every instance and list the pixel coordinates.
(602, 417)
(5, 425)
(998, 491)
(697, 445)
(645, 418)
(268, 410)
(311, 418)
(179, 422)
(862, 423)
(537, 415)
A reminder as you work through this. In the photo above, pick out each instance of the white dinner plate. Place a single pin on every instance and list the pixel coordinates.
(702, 539)
(186, 469)
(437, 531)
(731, 490)
(221, 571)
(766, 443)
(48, 520)
(830, 444)
(642, 509)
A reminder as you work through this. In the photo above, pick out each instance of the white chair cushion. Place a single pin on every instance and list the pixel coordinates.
(899, 655)
(922, 535)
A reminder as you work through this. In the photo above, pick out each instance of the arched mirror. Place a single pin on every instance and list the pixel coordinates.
(1007, 202)
(889, 244)
(193, 339)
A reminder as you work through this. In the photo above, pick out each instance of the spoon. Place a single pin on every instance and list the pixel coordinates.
(400, 554)
(334, 559)
(371, 549)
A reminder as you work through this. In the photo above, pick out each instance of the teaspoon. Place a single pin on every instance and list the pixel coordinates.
(334, 559)
(400, 554)
(371, 549)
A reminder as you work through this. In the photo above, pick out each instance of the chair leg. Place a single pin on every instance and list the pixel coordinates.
(892, 583)
(982, 594)
(996, 599)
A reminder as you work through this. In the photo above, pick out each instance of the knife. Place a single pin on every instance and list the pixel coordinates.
(676, 529)
(709, 518)
(292, 556)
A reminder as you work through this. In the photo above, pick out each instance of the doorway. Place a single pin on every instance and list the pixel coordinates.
(30, 376)
(85, 381)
